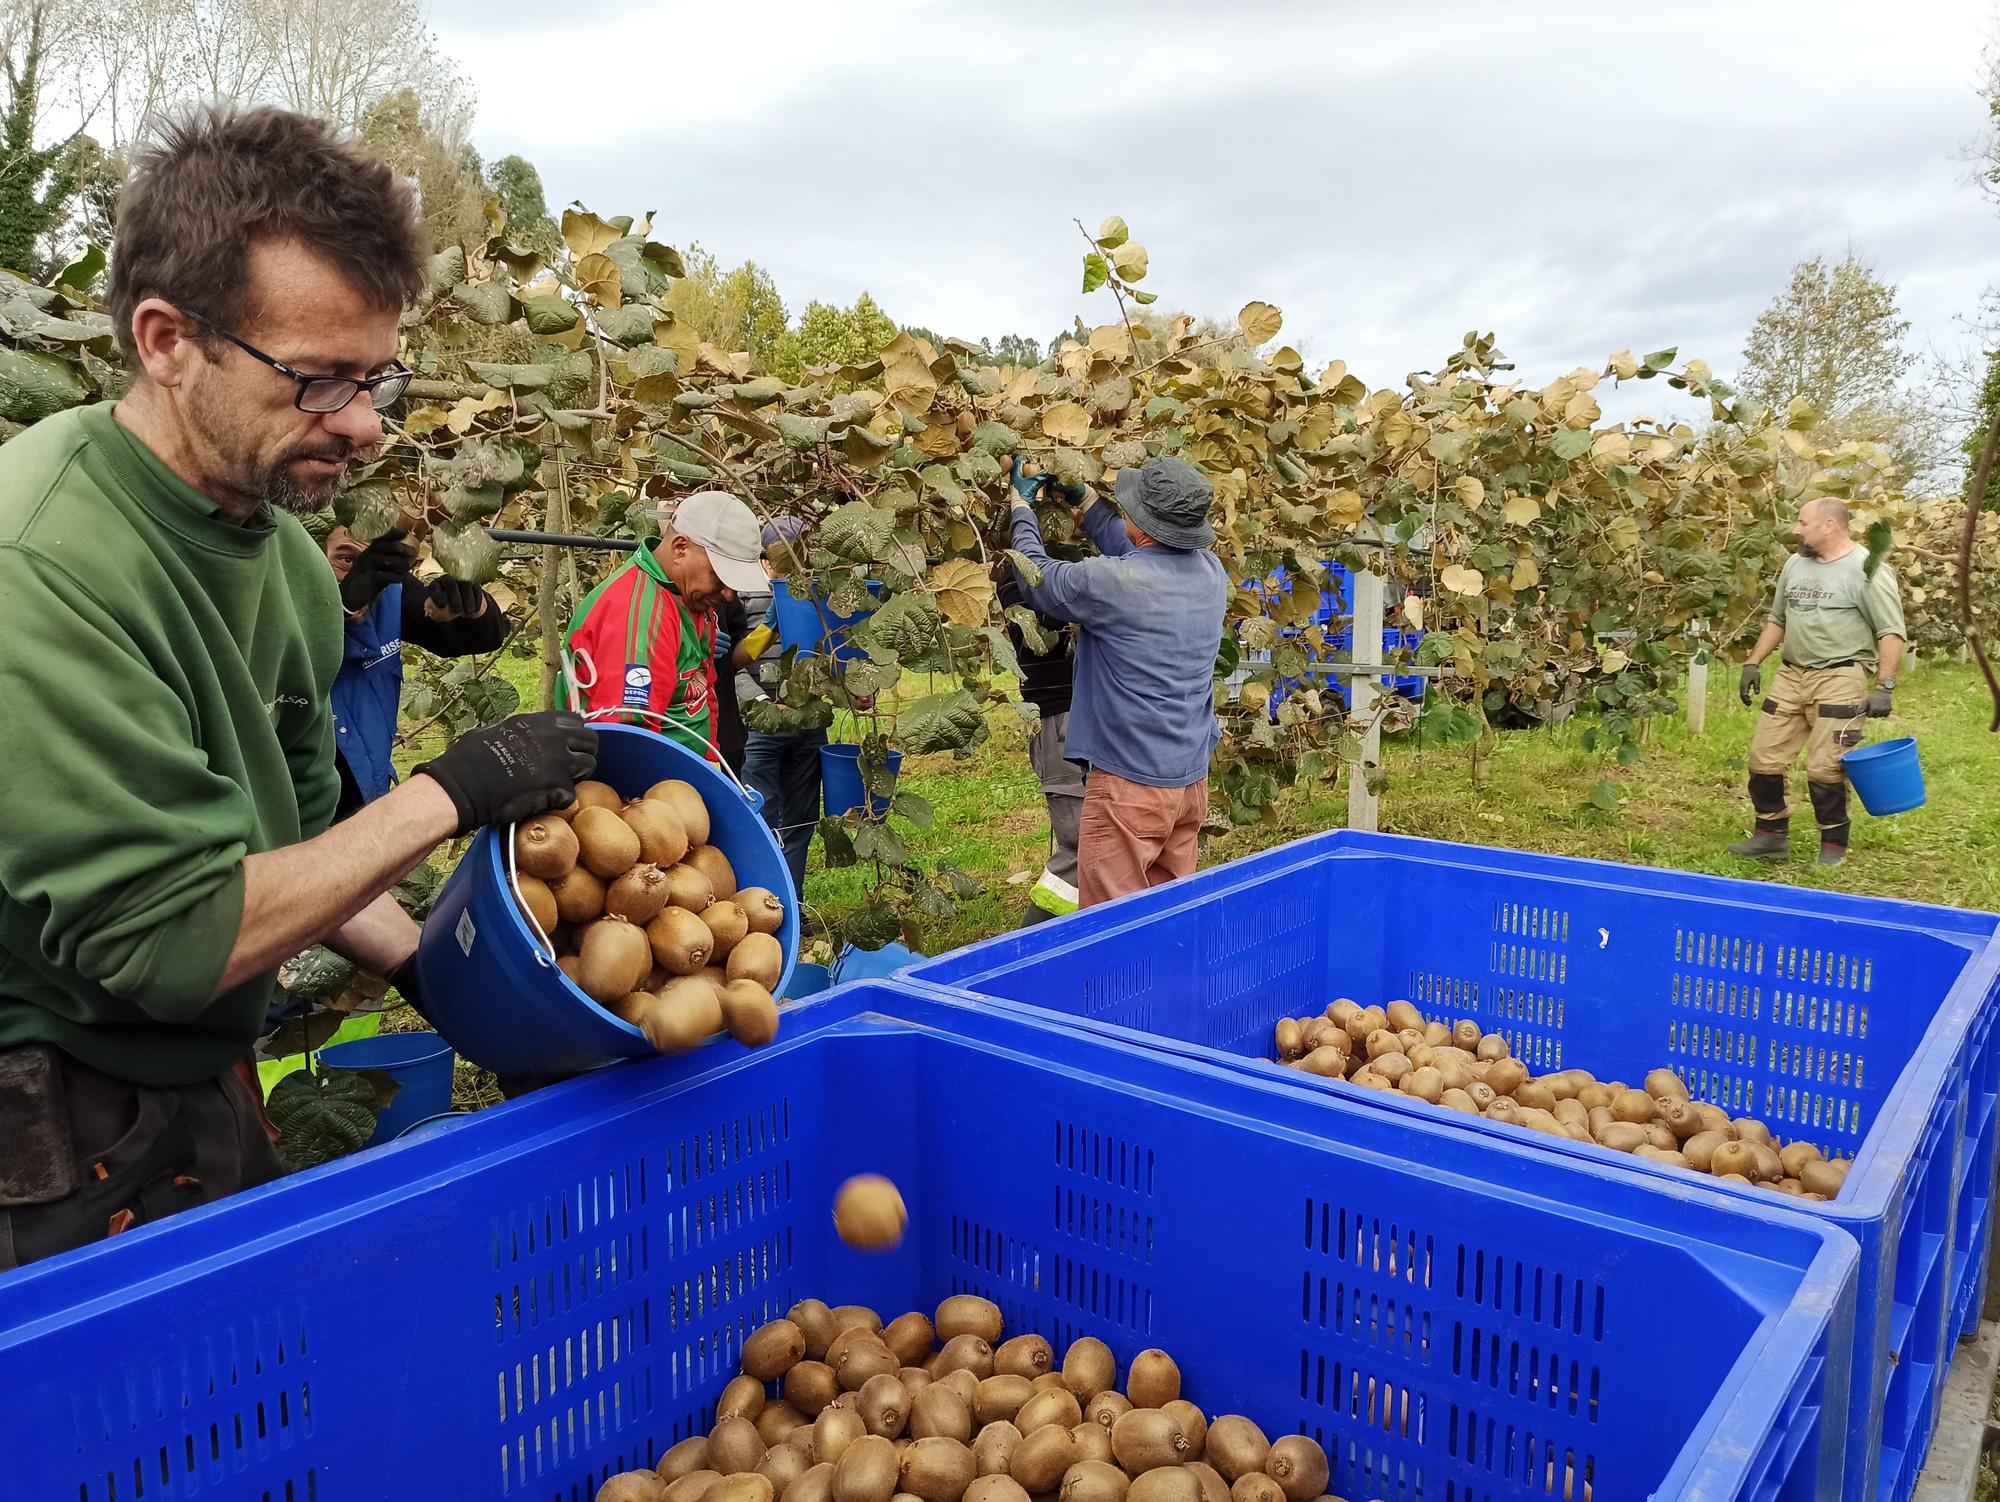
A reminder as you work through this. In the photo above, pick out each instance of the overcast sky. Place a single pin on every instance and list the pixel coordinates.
(1578, 178)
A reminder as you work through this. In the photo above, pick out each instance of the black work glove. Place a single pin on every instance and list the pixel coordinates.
(1879, 704)
(385, 561)
(446, 598)
(1751, 679)
(521, 767)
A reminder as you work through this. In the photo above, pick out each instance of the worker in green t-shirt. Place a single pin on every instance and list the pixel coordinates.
(166, 817)
(1838, 621)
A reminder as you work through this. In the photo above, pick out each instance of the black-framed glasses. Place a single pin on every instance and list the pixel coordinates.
(321, 394)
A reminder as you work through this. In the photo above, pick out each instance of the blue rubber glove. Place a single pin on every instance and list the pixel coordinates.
(1028, 487)
(723, 642)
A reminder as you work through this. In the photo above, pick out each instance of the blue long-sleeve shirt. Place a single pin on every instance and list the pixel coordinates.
(1151, 619)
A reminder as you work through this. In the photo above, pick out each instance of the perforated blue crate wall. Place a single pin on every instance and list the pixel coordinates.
(559, 1290)
(1863, 1026)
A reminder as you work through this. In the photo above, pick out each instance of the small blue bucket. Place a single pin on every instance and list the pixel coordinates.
(840, 780)
(419, 1062)
(808, 980)
(871, 964)
(808, 625)
(1887, 776)
(488, 984)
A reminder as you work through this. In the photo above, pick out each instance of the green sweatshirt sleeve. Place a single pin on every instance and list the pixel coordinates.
(137, 882)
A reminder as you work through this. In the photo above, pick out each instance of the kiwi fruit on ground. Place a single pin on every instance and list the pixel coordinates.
(750, 1014)
(762, 907)
(1236, 1446)
(998, 1398)
(1154, 1379)
(681, 942)
(632, 1486)
(968, 1314)
(867, 1471)
(693, 1486)
(539, 903)
(815, 1486)
(834, 1430)
(579, 896)
(735, 1446)
(773, 1349)
(687, 806)
(726, 922)
(662, 838)
(1257, 1487)
(1147, 1438)
(757, 957)
(869, 1214)
(995, 1487)
(545, 847)
(782, 1465)
(612, 959)
(687, 1456)
(1027, 1356)
(910, 1335)
(863, 1361)
(605, 843)
(1299, 1465)
(638, 895)
(743, 1398)
(937, 1411)
(1051, 1406)
(938, 1469)
(713, 864)
(815, 1320)
(884, 1405)
(993, 1447)
(1213, 1487)
(686, 1013)
(1168, 1484)
(1042, 1458)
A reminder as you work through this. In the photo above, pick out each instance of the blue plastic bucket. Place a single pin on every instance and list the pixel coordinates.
(419, 1062)
(871, 964)
(1887, 776)
(840, 780)
(808, 625)
(808, 980)
(493, 991)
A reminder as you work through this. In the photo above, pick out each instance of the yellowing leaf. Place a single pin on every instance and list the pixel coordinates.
(1526, 575)
(1461, 580)
(585, 234)
(1581, 410)
(963, 590)
(1066, 422)
(669, 333)
(1129, 260)
(1333, 375)
(600, 280)
(1611, 448)
(1623, 365)
(1521, 509)
(1259, 322)
(1112, 233)
(1345, 507)
(1698, 372)
(1413, 611)
(1614, 661)
(1470, 491)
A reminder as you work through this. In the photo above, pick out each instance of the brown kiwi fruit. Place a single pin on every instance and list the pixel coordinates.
(782, 1465)
(688, 888)
(579, 896)
(1257, 1487)
(1057, 1406)
(1491, 1049)
(1400, 1014)
(968, 1314)
(743, 1398)
(1094, 1481)
(1092, 1443)
(863, 1360)
(572, 969)
(937, 1411)
(1795, 1155)
(1041, 1459)
(1634, 1106)
(1678, 1117)
(545, 847)
(909, 1335)
(662, 839)
(1424, 1084)
(962, 1382)
(833, 1431)
(1213, 1487)
(687, 1013)
(1770, 1167)
(606, 845)
(1505, 1075)
(1699, 1150)
(613, 958)
(1168, 1484)
(1823, 1177)
(1106, 1408)
(967, 1353)
(693, 1486)
(1027, 1356)
(734, 1446)
(1664, 1084)
(884, 1405)
(996, 1487)
(593, 794)
(1535, 1095)
(1733, 1157)
(1288, 1042)
(1328, 1063)
(993, 1447)
(999, 1398)
(687, 806)
(1194, 1424)
(638, 895)
(868, 1210)
(681, 942)
(915, 1378)
(810, 1385)
(539, 902)
(815, 1486)
(1236, 1447)
(1154, 1380)
(750, 1015)
(815, 1320)
(713, 864)
(867, 1471)
(1299, 1465)
(632, 1486)
(1653, 1154)
(773, 1349)
(756, 957)
(1147, 1438)
(684, 1458)
(726, 922)
(1621, 1136)
(1465, 1033)
(763, 908)
(938, 1469)
(778, 1421)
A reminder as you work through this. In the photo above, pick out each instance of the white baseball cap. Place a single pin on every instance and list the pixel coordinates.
(726, 529)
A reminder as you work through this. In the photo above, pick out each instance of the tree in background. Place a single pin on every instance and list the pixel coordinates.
(518, 186)
(1015, 349)
(828, 335)
(1834, 337)
(451, 193)
(37, 184)
(738, 309)
(1983, 407)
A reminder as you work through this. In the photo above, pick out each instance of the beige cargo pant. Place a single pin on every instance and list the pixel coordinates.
(1820, 709)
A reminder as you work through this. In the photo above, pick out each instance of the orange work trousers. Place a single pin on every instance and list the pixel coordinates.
(1134, 836)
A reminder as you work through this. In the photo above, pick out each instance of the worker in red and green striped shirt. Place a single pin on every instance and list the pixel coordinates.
(643, 642)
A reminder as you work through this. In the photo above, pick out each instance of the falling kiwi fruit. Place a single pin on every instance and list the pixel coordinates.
(750, 1014)
(968, 1314)
(612, 959)
(869, 1214)
(680, 941)
(1154, 1380)
(592, 794)
(727, 923)
(756, 956)
(605, 843)
(1236, 1446)
(1148, 1438)
(763, 908)
(579, 896)
(638, 895)
(867, 1471)
(663, 840)
(545, 847)
(938, 1469)
(1299, 1465)
(687, 806)
(713, 864)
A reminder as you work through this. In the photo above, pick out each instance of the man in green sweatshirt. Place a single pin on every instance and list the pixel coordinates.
(173, 632)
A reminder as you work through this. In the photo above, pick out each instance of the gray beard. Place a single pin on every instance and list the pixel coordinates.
(283, 493)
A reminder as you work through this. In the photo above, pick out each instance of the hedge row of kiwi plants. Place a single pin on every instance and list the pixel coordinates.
(645, 918)
(1397, 1049)
(939, 1408)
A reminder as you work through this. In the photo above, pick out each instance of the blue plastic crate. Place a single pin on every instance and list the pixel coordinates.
(1864, 1026)
(559, 1288)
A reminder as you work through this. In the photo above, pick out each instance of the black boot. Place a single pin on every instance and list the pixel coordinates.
(1830, 809)
(1769, 841)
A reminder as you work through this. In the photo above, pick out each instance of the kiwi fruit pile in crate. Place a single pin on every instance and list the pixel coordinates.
(835, 1406)
(1397, 1049)
(645, 918)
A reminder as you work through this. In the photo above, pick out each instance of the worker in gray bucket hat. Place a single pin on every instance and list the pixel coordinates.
(1142, 718)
